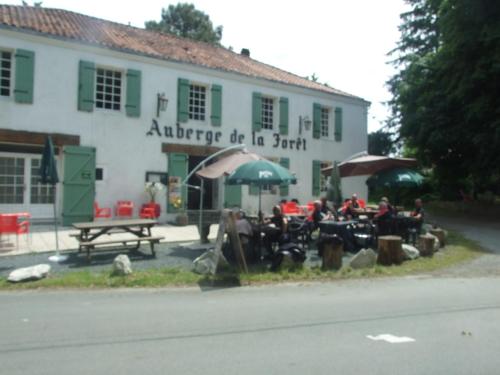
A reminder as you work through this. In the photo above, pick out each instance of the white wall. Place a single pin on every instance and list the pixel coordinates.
(123, 147)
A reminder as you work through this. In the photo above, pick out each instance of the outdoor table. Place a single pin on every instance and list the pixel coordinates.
(342, 229)
(139, 228)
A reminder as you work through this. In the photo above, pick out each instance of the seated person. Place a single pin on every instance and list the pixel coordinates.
(390, 207)
(352, 209)
(383, 219)
(325, 210)
(275, 229)
(243, 227)
(418, 214)
(316, 216)
(295, 200)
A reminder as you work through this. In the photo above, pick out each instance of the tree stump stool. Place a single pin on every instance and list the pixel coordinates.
(426, 245)
(390, 250)
(332, 256)
(439, 233)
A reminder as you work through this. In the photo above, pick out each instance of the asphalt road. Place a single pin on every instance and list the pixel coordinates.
(287, 329)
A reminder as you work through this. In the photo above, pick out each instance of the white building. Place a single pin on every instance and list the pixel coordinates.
(97, 88)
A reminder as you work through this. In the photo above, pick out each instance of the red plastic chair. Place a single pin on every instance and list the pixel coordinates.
(362, 203)
(9, 224)
(147, 213)
(124, 209)
(101, 212)
(290, 208)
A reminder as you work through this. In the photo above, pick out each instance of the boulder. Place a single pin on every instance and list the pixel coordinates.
(410, 252)
(122, 265)
(208, 262)
(29, 273)
(365, 258)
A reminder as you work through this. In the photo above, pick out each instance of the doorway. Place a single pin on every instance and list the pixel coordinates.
(20, 187)
(209, 187)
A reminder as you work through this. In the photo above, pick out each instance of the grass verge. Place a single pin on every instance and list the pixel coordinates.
(458, 250)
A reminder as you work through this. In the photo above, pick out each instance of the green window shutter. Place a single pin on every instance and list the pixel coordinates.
(316, 174)
(182, 100)
(25, 72)
(256, 111)
(86, 83)
(133, 104)
(177, 167)
(316, 120)
(284, 162)
(216, 115)
(253, 190)
(338, 124)
(284, 116)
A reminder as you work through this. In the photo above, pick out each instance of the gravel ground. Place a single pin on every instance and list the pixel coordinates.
(167, 255)
(487, 233)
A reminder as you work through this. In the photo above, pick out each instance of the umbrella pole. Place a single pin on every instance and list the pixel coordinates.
(260, 206)
(57, 257)
(200, 219)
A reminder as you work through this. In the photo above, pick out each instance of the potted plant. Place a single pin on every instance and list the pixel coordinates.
(152, 189)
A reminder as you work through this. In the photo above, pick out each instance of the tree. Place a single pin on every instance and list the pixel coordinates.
(186, 21)
(381, 143)
(444, 104)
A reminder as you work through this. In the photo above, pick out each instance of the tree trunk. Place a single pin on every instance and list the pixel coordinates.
(332, 256)
(390, 250)
(426, 245)
(439, 233)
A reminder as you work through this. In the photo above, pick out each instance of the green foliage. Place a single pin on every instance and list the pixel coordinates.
(445, 104)
(186, 21)
(381, 143)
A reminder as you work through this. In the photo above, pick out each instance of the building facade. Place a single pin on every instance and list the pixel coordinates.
(125, 105)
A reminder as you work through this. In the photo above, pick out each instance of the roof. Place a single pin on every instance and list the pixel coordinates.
(71, 26)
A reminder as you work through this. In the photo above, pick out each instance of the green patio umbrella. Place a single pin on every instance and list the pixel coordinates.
(48, 175)
(396, 178)
(259, 173)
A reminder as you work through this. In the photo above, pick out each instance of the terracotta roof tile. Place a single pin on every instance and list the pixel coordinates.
(78, 27)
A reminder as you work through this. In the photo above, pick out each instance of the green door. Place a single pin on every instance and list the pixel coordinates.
(232, 196)
(78, 184)
(177, 172)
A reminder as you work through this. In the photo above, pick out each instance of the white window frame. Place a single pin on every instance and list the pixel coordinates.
(192, 114)
(265, 112)
(120, 95)
(270, 189)
(325, 123)
(11, 77)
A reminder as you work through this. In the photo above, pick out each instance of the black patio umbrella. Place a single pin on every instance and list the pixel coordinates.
(49, 175)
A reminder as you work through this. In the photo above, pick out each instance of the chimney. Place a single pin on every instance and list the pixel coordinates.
(245, 52)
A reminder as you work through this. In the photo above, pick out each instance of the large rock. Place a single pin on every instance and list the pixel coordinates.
(365, 258)
(122, 265)
(410, 252)
(29, 273)
(208, 262)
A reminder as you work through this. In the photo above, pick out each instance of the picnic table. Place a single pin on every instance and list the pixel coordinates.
(90, 233)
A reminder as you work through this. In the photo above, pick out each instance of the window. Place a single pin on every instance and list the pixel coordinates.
(325, 119)
(324, 181)
(267, 113)
(11, 180)
(108, 91)
(197, 102)
(99, 174)
(5, 72)
(40, 193)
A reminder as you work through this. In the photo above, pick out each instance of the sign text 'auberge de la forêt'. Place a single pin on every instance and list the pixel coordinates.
(210, 137)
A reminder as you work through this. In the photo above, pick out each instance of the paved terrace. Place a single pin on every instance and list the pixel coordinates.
(42, 238)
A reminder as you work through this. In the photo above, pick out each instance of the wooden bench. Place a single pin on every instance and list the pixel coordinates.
(91, 245)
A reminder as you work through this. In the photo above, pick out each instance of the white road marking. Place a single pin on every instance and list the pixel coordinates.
(391, 338)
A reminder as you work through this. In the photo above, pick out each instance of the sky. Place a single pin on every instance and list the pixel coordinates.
(343, 42)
